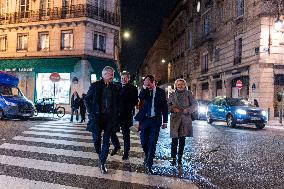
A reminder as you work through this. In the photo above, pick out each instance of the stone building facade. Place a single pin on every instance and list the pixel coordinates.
(155, 61)
(74, 38)
(216, 43)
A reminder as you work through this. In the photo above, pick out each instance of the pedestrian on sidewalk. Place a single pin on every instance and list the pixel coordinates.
(128, 98)
(82, 108)
(102, 105)
(255, 103)
(151, 115)
(181, 105)
(75, 106)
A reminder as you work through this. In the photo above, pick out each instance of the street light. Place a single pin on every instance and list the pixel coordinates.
(126, 35)
(163, 60)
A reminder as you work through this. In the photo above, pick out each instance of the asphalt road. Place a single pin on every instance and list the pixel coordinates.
(57, 154)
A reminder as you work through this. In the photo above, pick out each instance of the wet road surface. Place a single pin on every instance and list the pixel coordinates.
(58, 154)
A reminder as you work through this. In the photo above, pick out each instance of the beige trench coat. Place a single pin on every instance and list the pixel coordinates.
(180, 123)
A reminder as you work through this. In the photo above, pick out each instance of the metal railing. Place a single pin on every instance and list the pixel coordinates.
(56, 13)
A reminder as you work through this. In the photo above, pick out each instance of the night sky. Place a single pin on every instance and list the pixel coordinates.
(143, 18)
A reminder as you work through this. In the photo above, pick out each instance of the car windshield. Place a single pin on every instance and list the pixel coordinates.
(9, 91)
(238, 102)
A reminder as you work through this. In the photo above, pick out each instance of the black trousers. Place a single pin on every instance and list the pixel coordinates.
(175, 143)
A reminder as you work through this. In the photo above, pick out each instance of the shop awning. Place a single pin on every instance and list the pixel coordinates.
(99, 64)
(42, 65)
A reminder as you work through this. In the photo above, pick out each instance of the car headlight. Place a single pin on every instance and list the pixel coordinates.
(264, 113)
(202, 109)
(10, 103)
(242, 112)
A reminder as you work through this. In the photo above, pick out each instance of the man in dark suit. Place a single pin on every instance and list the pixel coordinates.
(151, 115)
(102, 104)
(128, 98)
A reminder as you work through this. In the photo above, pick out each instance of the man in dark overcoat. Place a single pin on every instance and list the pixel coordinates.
(102, 106)
(153, 115)
(128, 99)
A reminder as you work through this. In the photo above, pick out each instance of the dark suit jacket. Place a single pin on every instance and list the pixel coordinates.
(160, 105)
(93, 101)
(128, 99)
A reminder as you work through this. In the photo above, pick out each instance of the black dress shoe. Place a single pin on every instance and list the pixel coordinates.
(125, 157)
(103, 168)
(114, 151)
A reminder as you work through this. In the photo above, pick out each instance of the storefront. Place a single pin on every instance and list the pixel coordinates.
(75, 75)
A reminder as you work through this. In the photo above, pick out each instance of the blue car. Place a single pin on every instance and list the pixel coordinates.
(13, 104)
(235, 111)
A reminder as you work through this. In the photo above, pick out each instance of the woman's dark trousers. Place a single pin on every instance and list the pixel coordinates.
(175, 143)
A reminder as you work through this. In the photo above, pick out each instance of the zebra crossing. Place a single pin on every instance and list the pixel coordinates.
(59, 154)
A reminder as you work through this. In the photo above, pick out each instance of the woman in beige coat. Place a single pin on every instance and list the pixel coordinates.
(181, 105)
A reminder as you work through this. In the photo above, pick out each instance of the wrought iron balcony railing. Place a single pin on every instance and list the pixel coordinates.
(56, 13)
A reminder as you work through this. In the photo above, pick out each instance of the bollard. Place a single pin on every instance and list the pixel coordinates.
(280, 116)
(268, 114)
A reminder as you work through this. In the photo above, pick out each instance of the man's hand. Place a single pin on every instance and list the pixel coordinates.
(176, 110)
(164, 126)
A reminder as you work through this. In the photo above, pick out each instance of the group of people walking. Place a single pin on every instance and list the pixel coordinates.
(76, 104)
(110, 107)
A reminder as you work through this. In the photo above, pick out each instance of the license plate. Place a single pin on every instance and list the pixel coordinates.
(254, 118)
(26, 115)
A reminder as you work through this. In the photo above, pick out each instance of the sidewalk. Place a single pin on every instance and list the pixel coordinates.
(275, 122)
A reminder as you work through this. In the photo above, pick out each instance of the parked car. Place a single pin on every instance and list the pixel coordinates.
(13, 104)
(202, 109)
(235, 111)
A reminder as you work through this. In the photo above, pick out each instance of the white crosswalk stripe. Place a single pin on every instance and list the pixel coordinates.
(31, 148)
(14, 182)
(66, 142)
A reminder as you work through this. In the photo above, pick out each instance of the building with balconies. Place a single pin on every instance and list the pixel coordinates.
(73, 38)
(214, 44)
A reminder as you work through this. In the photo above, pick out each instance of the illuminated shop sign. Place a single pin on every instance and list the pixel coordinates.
(18, 69)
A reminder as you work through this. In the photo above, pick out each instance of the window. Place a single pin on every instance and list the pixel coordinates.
(238, 51)
(43, 41)
(24, 8)
(240, 7)
(67, 40)
(22, 42)
(3, 42)
(206, 28)
(204, 63)
(4, 7)
(45, 7)
(217, 54)
(45, 87)
(190, 42)
(99, 42)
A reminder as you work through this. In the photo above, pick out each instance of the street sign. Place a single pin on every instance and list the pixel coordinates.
(54, 77)
(239, 84)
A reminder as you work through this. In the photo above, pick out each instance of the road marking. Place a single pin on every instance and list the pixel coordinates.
(60, 127)
(74, 136)
(19, 183)
(70, 153)
(66, 142)
(118, 175)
